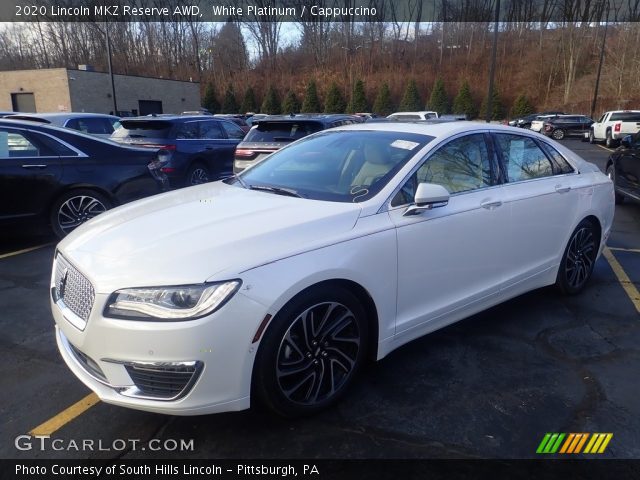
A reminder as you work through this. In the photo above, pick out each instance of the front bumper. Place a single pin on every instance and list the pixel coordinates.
(182, 368)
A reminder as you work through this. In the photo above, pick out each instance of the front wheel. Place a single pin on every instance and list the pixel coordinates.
(76, 207)
(311, 352)
(578, 259)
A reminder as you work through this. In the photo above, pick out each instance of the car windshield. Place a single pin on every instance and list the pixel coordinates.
(339, 166)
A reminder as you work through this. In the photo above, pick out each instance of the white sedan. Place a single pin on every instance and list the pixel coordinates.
(277, 285)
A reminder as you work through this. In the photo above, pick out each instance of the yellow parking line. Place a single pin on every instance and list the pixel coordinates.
(623, 278)
(24, 250)
(620, 249)
(64, 417)
(607, 149)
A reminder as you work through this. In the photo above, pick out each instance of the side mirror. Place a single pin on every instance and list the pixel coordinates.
(627, 141)
(428, 196)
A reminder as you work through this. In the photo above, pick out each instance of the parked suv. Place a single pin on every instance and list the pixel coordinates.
(623, 168)
(566, 126)
(274, 132)
(201, 146)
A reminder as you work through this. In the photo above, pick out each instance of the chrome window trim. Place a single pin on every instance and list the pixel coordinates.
(386, 205)
(71, 147)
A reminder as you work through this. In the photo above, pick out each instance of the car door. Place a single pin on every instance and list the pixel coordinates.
(450, 257)
(543, 199)
(628, 168)
(218, 149)
(29, 173)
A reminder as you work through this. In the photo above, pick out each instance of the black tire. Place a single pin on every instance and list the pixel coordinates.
(74, 208)
(611, 173)
(610, 142)
(592, 138)
(558, 134)
(311, 352)
(197, 175)
(579, 258)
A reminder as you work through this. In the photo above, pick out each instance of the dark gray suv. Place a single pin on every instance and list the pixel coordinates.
(274, 132)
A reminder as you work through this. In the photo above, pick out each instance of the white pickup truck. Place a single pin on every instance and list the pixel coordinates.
(613, 126)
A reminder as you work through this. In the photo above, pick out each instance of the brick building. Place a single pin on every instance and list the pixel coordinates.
(85, 90)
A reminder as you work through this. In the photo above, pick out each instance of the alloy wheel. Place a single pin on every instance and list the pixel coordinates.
(581, 255)
(318, 353)
(198, 176)
(77, 210)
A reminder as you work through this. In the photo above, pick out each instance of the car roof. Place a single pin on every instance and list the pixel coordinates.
(51, 129)
(64, 115)
(322, 117)
(170, 117)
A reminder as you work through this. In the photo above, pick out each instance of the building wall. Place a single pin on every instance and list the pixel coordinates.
(91, 92)
(49, 87)
(62, 90)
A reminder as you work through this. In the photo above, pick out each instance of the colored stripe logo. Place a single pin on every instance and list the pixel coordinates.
(592, 443)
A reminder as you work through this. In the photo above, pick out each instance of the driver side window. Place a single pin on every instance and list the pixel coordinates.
(459, 166)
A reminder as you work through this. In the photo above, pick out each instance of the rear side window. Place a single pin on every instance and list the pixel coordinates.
(626, 116)
(210, 130)
(143, 129)
(523, 159)
(188, 131)
(91, 126)
(560, 161)
(14, 144)
(282, 131)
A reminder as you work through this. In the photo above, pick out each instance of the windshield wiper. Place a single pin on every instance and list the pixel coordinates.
(279, 190)
(240, 180)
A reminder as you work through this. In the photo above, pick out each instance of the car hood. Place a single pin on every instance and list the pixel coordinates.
(199, 233)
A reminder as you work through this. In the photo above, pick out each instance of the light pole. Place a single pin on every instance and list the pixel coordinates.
(113, 85)
(492, 69)
(604, 39)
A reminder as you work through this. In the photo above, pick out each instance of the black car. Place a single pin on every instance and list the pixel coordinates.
(623, 168)
(274, 132)
(566, 126)
(201, 147)
(66, 177)
(525, 122)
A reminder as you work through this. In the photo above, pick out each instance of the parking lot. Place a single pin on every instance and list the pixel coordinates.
(489, 386)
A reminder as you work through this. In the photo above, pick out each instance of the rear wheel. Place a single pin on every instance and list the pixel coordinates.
(198, 174)
(76, 207)
(578, 259)
(558, 134)
(609, 141)
(311, 352)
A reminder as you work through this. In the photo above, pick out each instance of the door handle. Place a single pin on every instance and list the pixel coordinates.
(34, 166)
(489, 205)
(561, 189)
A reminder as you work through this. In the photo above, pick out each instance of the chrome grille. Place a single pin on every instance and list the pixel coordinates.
(73, 288)
(167, 381)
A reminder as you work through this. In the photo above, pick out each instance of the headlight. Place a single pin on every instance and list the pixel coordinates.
(183, 302)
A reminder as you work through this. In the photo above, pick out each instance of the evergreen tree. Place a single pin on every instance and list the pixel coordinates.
(230, 104)
(290, 103)
(311, 103)
(334, 102)
(358, 101)
(209, 101)
(249, 103)
(383, 105)
(439, 101)
(463, 103)
(497, 111)
(411, 98)
(270, 104)
(521, 107)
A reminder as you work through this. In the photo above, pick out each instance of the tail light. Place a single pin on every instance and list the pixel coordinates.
(157, 165)
(244, 153)
(617, 127)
